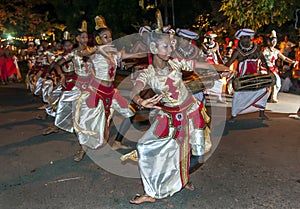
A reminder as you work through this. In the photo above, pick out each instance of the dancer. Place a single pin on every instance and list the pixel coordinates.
(210, 49)
(42, 63)
(248, 56)
(84, 71)
(179, 129)
(185, 49)
(50, 86)
(63, 111)
(138, 47)
(272, 54)
(97, 105)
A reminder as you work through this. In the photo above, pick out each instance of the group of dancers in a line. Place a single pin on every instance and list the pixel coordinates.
(81, 96)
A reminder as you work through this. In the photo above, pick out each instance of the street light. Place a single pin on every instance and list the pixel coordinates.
(9, 37)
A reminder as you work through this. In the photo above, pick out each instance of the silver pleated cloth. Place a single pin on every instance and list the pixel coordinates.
(47, 88)
(53, 100)
(38, 86)
(65, 110)
(30, 82)
(163, 162)
(90, 123)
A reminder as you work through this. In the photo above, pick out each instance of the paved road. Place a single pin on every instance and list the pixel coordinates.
(255, 165)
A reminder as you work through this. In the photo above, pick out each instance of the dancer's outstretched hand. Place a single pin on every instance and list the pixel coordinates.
(151, 102)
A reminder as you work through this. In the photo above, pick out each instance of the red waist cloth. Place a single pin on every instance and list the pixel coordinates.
(178, 118)
(70, 82)
(82, 82)
(97, 92)
(40, 68)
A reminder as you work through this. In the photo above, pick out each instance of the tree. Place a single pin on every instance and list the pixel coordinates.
(72, 12)
(21, 17)
(256, 14)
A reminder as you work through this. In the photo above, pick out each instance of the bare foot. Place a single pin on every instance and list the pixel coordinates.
(118, 145)
(42, 107)
(79, 155)
(133, 155)
(190, 186)
(50, 130)
(142, 198)
(42, 116)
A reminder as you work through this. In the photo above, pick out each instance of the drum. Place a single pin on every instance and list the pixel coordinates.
(253, 82)
(220, 68)
(196, 83)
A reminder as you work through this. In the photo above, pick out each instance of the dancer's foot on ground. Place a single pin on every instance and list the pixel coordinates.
(50, 130)
(41, 116)
(273, 101)
(118, 145)
(42, 107)
(232, 119)
(141, 199)
(189, 186)
(262, 116)
(133, 155)
(79, 155)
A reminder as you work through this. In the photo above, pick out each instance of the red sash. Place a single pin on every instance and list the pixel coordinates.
(100, 92)
(178, 119)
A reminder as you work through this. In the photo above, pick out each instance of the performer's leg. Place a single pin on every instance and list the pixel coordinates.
(232, 119)
(275, 90)
(262, 115)
(80, 153)
(195, 163)
(125, 125)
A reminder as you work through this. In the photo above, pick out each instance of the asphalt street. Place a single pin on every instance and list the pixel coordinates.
(254, 163)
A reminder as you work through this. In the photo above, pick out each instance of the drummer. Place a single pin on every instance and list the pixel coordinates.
(185, 49)
(210, 49)
(248, 56)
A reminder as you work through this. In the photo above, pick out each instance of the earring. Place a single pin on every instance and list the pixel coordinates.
(98, 40)
(153, 48)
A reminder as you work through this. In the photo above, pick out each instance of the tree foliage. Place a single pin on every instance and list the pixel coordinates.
(24, 17)
(256, 14)
(72, 12)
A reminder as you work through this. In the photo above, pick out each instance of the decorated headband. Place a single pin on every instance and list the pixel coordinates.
(145, 28)
(273, 34)
(187, 34)
(244, 32)
(210, 34)
(159, 21)
(66, 36)
(83, 26)
(100, 22)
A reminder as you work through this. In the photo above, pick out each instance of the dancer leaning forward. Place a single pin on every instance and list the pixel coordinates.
(97, 104)
(179, 136)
